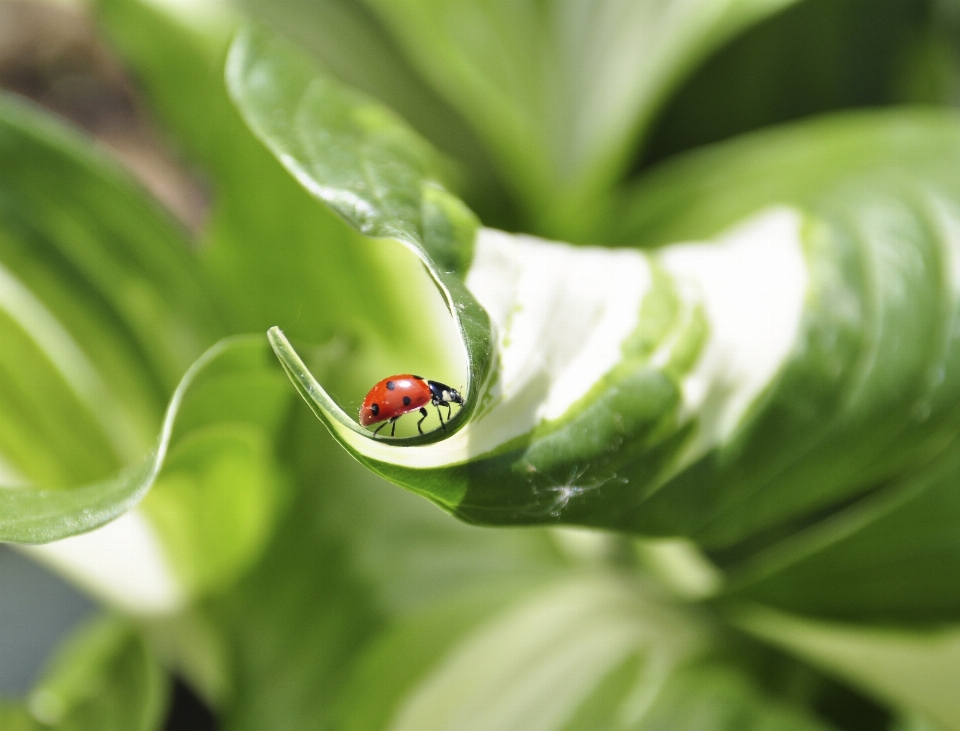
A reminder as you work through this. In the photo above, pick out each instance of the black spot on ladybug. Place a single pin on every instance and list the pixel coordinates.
(419, 378)
(391, 385)
(375, 408)
(406, 400)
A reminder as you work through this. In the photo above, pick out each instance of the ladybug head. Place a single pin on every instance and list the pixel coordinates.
(444, 395)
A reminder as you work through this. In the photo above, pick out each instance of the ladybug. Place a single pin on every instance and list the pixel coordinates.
(395, 396)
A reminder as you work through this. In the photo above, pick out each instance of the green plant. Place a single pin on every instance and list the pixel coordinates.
(743, 371)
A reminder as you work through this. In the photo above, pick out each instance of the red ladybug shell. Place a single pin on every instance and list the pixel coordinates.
(394, 396)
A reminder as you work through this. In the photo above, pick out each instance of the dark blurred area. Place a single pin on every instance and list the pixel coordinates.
(816, 57)
(188, 712)
(52, 55)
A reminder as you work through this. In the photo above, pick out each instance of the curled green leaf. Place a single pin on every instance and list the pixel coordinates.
(788, 346)
(31, 515)
(588, 360)
(102, 306)
(367, 166)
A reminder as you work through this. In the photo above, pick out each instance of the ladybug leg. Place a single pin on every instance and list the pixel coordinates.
(393, 425)
(440, 414)
(379, 427)
(423, 415)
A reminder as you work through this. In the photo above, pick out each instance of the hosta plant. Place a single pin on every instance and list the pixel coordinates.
(708, 444)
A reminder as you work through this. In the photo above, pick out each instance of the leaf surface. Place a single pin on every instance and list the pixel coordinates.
(654, 391)
(884, 558)
(101, 307)
(32, 515)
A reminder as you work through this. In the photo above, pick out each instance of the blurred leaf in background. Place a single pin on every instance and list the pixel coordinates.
(104, 677)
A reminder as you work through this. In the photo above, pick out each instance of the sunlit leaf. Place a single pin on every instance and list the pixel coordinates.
(870, 390)
(508, 673)
(714, 389)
